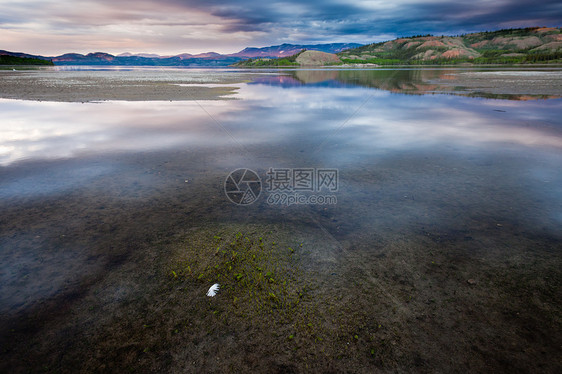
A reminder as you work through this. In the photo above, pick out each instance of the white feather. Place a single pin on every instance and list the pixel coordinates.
(213, 290)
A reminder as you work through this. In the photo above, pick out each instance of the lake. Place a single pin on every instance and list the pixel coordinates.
(356, 220)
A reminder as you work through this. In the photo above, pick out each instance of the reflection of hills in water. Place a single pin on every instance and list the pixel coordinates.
(405, 81)
(319, 78)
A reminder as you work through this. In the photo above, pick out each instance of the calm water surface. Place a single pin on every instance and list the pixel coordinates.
(404, 161)
(82, 184)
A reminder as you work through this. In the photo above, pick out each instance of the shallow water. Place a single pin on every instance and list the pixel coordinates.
(82, 184)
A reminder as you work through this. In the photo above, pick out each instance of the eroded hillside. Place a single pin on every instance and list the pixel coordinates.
(504, 46)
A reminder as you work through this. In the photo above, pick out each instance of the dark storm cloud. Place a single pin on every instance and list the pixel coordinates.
(371, 18)
(260, 15)
(474, 16)
(175, 26)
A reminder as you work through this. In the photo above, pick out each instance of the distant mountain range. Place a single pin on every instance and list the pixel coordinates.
(184, 59)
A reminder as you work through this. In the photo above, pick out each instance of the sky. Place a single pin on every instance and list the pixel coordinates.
(169, 27)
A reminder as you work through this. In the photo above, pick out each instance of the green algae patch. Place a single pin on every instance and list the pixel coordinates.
(257, 275)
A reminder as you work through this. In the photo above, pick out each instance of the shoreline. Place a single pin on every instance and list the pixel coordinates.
(211, 84)
(421, 66)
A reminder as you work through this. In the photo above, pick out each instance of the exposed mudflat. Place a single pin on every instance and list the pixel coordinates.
(506, 82)
(129, 85)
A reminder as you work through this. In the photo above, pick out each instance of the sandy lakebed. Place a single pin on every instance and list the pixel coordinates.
(442, 254)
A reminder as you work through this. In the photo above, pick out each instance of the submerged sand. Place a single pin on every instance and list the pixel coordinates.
(127, 282)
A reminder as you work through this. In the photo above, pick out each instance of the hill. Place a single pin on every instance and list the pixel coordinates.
(267, 61)
(302, 58)
(317, 58)
(15, 60)
(286, 50)
(528, 45)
